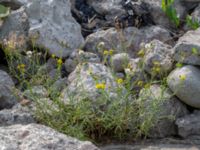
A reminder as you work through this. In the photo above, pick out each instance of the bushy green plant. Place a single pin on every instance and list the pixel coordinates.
(167, 7)
(118, 117)
(192, 22)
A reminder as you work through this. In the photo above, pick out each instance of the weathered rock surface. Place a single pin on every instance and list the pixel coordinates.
(185, 83)
(16, 115)
(119, 61)
(83, 79)
(5, 79)
(158, 58)
(129, 40)
(79, 56)
(196, 14)
(14, 31)
(34, 136)
(159, 17)
(52, 26)
(107, 8)
(189, 125)
(187, 49)
(152, 146)
(36, 92)
(163, 108)
(7, 96)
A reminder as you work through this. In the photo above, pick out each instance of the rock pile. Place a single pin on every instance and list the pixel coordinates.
(131, 34)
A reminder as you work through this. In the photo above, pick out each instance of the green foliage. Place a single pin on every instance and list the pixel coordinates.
(192, 22)
(117, 117)
(4, 11)
(167, 7)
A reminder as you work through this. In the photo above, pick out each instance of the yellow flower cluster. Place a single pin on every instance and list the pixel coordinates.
(53, 56)
(59, 60)
(182, 77)
(108, 52)
(21, 67)
(156, 68)
(100, 86)
(120, 81)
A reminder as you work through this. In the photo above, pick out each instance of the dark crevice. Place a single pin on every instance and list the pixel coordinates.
(12, 5)
(3, 58)
(137, 14)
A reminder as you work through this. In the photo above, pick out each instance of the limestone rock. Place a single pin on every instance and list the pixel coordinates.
(16, 115)
(7, 96)
(158, 56)
(34, 136)
(187, 49)
(14, 31)
(185, 83)
(83, 80)
(119, 62)
(189, 125)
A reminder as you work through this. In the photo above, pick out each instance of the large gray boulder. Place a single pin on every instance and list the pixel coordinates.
(53, 27)
(187, 49)
(128, 41)
(161, 108)
(14, 31)
(7, 96)
(83, 80)
(189, 125)
(39, 137)
(185, 84)
(158, 58)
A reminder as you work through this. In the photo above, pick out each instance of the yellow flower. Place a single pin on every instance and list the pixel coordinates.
(146, 86)
(140, 83)
(53, 56)
(59, 61)
(100, 86)
(156, 63)
(120, 81)
(111, 51)
(21, 67)
(156, 69)
(182, 77)
(141, 53)
(106, 52)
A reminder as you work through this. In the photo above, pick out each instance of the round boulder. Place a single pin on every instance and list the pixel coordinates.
(185, 83)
